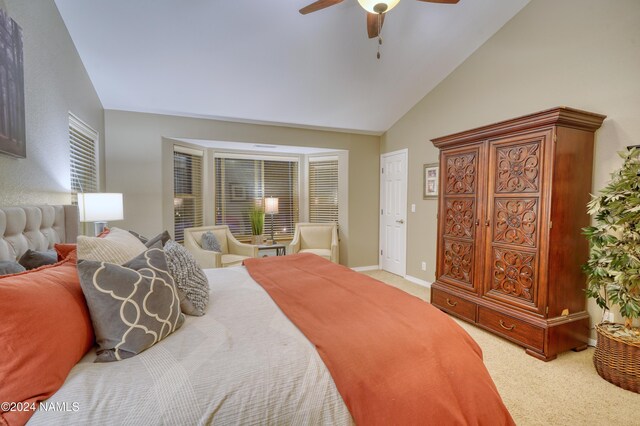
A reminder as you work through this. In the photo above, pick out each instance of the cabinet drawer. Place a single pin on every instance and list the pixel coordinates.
(455, 305)
(512, 328)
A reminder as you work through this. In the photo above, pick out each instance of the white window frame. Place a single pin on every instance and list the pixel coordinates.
(197, 217)
(262, 157)
(318, 159)
(76, 179)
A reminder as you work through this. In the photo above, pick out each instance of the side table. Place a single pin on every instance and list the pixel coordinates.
(280, 249)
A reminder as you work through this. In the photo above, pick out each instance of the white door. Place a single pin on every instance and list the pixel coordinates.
(393, 212)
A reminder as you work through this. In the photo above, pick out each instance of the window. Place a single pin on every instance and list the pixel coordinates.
(323, 190)
(187, 190)
(243, 182)
(84, 159)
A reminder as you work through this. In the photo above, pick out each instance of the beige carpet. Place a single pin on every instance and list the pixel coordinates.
(565, 391)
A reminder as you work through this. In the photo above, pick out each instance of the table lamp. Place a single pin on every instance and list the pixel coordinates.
(100, 208)
(271, 208)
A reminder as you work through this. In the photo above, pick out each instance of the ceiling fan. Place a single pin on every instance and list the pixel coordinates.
(376, 10)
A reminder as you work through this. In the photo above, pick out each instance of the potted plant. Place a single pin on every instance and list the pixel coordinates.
(613, 272)
(256, 217)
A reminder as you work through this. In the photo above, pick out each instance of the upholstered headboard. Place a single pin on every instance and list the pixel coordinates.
(36, 228)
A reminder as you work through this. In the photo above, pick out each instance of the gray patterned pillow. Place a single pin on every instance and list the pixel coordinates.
(133, 306)
(189, 278)
(210, 242)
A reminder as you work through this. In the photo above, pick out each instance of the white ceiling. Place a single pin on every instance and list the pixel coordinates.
(261, 61)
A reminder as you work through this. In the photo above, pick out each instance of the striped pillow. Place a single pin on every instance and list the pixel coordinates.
(118, 246)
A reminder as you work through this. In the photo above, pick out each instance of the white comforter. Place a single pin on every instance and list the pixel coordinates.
(243, 362)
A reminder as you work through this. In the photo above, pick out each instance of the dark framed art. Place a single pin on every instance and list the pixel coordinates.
(430, 181)
(12, 121)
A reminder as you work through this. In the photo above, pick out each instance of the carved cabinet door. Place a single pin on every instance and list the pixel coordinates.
(515, 216)
(461, 179)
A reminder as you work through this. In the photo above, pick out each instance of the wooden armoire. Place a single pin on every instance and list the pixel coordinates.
(512, 205)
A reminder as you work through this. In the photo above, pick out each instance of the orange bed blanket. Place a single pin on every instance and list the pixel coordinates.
(394, 358)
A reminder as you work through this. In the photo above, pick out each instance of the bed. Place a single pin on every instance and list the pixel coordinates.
(245, 362)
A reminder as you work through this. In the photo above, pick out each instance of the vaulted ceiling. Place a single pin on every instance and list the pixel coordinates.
(261, 61)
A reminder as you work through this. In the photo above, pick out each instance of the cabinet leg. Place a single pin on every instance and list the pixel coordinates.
(580, 348)
(540, 356)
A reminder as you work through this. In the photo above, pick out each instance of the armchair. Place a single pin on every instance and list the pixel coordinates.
(316, 238)
(233, 251)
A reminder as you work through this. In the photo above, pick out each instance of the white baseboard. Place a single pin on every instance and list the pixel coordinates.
(592, 342)
(366, 268)
(418, 281)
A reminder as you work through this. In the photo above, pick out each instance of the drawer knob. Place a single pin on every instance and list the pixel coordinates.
(450, 303)
(512, 327)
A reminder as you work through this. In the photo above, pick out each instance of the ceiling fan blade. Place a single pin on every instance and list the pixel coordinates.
(441, 1)
(372, 24)
(318, 5)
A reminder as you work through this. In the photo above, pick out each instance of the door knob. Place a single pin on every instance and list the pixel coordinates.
(400, 221)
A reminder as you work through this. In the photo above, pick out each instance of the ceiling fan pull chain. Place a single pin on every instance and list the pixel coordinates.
(379, 35)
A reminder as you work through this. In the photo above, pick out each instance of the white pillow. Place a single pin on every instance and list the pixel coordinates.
(118, 246)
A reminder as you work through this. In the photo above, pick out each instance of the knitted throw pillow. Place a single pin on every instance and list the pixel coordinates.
(191, 281)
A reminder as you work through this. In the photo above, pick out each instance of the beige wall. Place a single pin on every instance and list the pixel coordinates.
(134, 156)
(55, 83)
(579, 53)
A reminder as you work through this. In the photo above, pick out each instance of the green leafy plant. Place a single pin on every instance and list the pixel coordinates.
(613, 268)
(256, 217)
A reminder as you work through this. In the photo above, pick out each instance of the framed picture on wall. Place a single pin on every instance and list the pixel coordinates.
(12, 126)
(430, 181)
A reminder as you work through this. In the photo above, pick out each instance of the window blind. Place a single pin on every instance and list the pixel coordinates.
(187, 190)
(242, 183)
(83, 142)
(323, 190)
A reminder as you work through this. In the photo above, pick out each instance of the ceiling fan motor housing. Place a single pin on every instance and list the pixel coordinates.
(380, 8)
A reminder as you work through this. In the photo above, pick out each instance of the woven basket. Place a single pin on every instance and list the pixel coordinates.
(617, 361)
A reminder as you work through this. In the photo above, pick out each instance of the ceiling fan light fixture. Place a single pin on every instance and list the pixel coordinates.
(377, 6)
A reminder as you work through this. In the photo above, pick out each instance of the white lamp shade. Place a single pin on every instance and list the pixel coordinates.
(271, 205)
(100, 207)
(368, 5)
